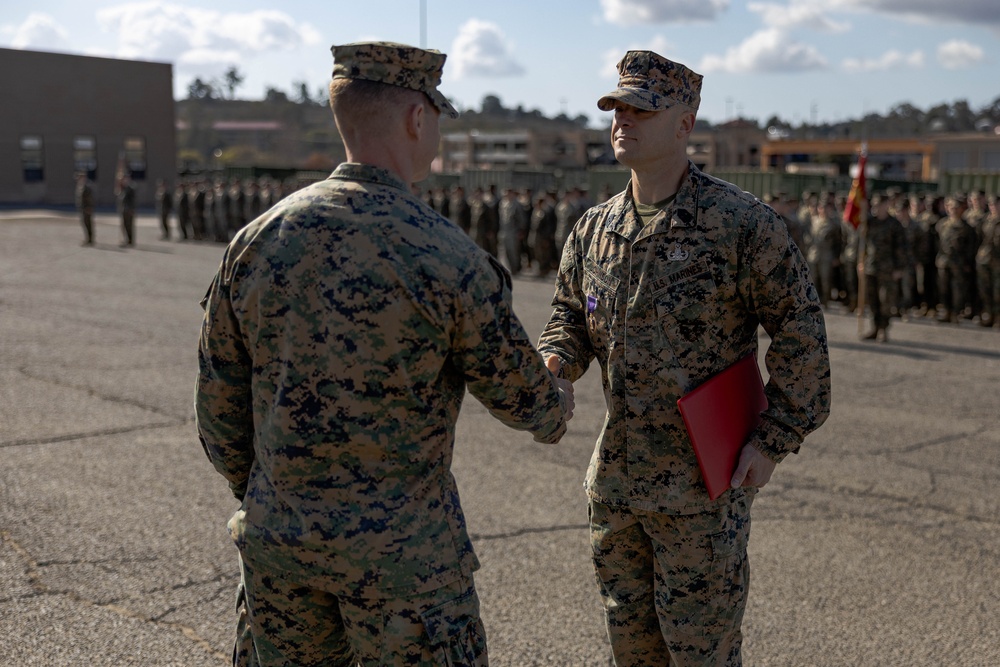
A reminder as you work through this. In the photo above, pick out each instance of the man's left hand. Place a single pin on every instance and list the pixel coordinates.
(754, 469)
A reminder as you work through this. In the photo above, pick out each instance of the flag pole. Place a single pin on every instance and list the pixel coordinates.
(862, 281)
(856, 215)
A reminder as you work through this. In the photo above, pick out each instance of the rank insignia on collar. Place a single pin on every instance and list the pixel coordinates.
(678, 254)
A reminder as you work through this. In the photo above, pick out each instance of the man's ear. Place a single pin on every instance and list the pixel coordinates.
(415, 120)
(686, 125)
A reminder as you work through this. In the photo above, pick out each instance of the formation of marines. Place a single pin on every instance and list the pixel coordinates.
(936, 256)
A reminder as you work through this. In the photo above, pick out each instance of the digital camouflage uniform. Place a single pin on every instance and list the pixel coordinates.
(988, 270)
(340, 335)
(926, 253)
(956, 244)
(662, 307)
(826, 244)
(513, 222)
(126, 208)
(84, 196)
(882, 251)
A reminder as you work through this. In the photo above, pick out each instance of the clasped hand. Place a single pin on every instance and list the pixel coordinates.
(565, 386)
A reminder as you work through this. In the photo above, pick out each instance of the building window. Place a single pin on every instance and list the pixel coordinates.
(85, 157)
(954, 160)
(32, 162)
(135, 158)
(991, 160)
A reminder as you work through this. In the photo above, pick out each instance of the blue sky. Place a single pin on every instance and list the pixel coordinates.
(802, 60)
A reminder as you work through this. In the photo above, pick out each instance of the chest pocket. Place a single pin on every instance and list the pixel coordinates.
(691, 317)
(600, 291)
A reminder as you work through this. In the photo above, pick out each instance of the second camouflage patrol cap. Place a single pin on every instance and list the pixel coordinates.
(396, 65)
(649, 81)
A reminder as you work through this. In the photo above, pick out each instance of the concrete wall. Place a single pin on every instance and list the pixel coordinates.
(60, 97)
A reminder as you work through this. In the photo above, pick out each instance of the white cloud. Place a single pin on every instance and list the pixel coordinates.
(642, 12)
(959, 54)
(769, 50)
(972, 12)
(797, 14)
(482, 49)
(192, 36)
(892, 59)
(39, 31)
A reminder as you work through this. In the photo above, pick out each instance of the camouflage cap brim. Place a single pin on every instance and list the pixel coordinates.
(442, 103)
(640, 98)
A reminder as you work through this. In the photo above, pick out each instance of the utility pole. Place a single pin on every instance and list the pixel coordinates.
(423, 24)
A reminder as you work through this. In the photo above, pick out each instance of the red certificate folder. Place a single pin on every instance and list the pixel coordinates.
(720, 414)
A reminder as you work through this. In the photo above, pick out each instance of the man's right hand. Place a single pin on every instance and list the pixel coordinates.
(565, 386)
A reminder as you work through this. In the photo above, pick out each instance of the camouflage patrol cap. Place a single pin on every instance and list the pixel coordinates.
(396, 65)
(649, 81)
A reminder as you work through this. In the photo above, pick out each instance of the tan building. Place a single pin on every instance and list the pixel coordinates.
(521, 148)
(66, 113)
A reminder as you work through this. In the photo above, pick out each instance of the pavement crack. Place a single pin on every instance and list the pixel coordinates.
(933, 442)
(528, 531)
(870, 494)
(90, 391)
(70, 437)
(32, 569)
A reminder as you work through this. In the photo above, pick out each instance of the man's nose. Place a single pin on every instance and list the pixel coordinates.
(624, 117)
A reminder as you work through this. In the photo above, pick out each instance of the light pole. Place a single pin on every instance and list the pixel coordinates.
(423, 24)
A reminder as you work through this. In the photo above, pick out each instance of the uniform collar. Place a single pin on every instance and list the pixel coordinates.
(354, 171)
(682, 212)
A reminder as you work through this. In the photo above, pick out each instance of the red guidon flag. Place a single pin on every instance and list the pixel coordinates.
(852, 212)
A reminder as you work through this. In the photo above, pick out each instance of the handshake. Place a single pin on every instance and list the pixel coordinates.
(564, 386)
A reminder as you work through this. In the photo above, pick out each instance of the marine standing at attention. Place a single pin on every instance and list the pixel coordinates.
(665, 285)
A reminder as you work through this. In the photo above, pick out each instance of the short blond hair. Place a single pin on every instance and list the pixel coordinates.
(364, 104)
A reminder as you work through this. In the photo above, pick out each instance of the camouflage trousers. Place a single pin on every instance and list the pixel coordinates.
(988, 280)
(286, 624)
(880, 291)
(674, 587)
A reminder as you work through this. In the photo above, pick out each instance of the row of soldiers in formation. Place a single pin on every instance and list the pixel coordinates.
(524, 229)
(214, 209)
(939, 258)
(933, 256)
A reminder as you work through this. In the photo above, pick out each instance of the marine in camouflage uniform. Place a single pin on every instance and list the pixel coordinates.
(126, 208)
(976, 215)
(84, 197)
(988, 265)
(924, 242)
(825, 247)
(956, 244)
(513, 222)
(882, 259)
(662, 305)
(340, 335)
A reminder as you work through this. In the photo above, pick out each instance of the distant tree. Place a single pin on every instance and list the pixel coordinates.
(938, 118)
(201, 90)
(582, 120)
(992, 110)
(492, 105)
(964, 120)
(906, 119)
(302, 92)
(274, 95)
(234, 79)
